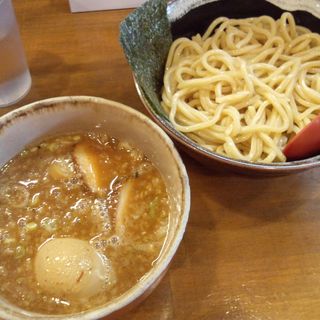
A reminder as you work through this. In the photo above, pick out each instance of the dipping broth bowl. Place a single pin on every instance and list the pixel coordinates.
(63, 115)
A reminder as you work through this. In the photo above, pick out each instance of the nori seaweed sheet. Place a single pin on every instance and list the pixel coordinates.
(145, 36)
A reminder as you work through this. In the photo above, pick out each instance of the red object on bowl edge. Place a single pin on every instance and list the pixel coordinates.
(306, 143)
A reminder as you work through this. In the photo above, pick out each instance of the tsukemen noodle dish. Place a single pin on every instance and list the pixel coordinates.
(244, 87)
(83, 218)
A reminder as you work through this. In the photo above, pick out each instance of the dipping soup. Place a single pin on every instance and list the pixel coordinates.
(83, 217)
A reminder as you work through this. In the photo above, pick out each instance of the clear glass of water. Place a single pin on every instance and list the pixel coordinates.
(15, 79)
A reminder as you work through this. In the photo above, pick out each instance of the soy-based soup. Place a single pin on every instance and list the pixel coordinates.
(83, 217)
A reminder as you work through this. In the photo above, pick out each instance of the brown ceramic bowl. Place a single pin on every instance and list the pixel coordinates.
(188, 17)
(75, 114)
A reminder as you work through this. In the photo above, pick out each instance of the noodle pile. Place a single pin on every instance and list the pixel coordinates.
(244, 87)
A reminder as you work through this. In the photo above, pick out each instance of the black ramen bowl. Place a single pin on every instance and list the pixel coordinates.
(146, 36)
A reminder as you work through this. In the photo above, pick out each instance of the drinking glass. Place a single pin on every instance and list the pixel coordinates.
(15, 79)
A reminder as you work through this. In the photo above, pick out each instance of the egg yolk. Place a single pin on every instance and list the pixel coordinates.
(71, 266)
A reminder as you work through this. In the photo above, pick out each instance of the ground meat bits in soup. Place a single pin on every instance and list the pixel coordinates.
(82, 218)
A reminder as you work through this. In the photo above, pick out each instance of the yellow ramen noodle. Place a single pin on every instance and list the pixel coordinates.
(245, 86)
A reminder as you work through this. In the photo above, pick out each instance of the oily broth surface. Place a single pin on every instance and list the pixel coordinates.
(37, 203)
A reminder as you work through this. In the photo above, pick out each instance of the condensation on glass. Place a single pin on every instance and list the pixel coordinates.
(15, 79)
